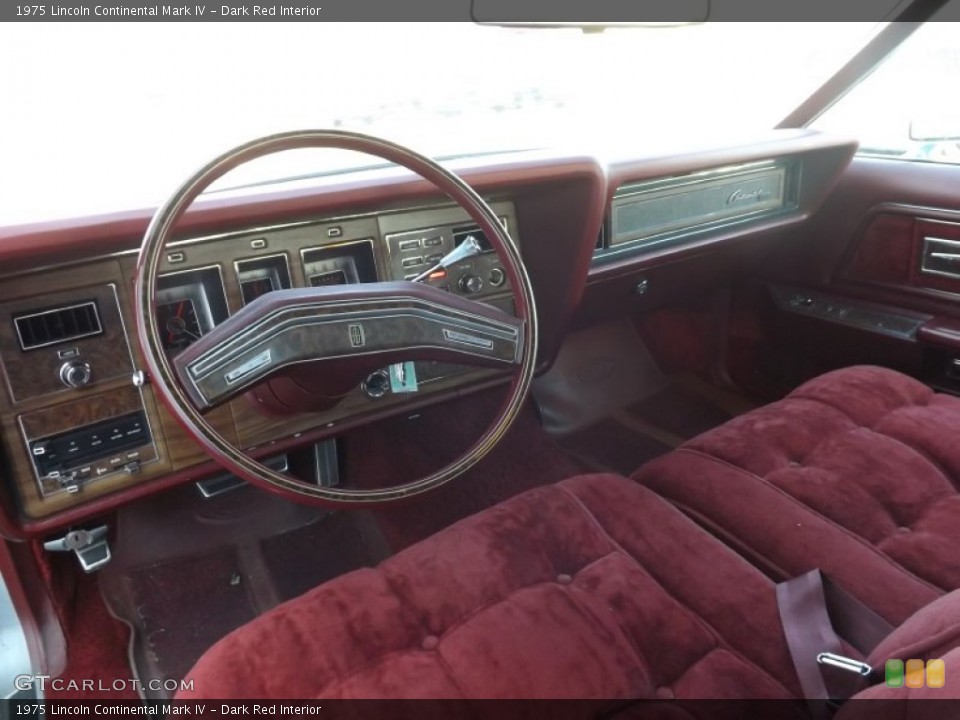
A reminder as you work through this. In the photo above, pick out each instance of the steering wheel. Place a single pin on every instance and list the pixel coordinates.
(335, 332)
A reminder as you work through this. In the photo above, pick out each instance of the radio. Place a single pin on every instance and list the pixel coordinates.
(65, 461)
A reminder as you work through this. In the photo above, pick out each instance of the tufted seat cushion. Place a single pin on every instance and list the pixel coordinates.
(856, 472)
(592, 588)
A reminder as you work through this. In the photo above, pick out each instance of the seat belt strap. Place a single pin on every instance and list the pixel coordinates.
(807, 628)
(813, 610)
(856, 623)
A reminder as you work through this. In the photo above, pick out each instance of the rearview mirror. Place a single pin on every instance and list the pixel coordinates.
(943, 128)
(601, 13)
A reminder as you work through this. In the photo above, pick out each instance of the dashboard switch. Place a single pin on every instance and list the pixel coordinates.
(471, 284)
(377, 384)
(497, 277)
(75, 373)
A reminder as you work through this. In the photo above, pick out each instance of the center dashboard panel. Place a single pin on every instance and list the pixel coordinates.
(78, 420)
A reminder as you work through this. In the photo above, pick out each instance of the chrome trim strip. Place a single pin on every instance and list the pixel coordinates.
(497, 333)
(928, 253)
(698, 178)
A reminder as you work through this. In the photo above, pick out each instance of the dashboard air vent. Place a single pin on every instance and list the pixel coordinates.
(57, 325)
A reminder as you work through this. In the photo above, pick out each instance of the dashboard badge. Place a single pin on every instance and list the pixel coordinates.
(358, 337)
(463, 338)
(254, 363)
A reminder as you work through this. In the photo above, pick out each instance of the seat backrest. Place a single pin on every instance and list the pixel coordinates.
(932, 633)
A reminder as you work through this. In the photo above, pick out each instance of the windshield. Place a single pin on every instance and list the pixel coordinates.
(108, 117)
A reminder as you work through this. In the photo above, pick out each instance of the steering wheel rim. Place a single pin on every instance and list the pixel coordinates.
(170, 390)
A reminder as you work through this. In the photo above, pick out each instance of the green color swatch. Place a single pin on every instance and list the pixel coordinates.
(893, 671)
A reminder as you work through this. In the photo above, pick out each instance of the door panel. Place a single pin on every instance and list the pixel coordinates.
(879, 253)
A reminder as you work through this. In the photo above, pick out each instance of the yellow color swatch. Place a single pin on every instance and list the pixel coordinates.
(936, 673)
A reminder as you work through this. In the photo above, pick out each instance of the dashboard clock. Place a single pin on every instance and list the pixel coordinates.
(190, 304)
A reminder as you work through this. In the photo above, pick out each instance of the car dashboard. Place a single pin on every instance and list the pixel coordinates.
(82, 430)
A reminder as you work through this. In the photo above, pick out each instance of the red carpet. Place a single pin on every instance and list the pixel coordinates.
(405, 449)
(96, 641)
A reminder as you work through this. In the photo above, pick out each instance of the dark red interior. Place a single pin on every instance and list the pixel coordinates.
(773, 418)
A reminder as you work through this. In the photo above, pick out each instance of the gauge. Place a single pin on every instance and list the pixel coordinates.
(342, 264)
(262, 275)
(335, 277)
(179, 324)
(255, 287)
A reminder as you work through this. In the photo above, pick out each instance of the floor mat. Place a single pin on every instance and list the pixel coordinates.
(187, 571)
(676, 412)
(597, 372)
(607, 403)
(633, 435)
(611, 446)
(182, 607)
(292, 557)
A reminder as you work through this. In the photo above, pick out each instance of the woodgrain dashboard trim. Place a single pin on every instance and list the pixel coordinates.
(34, 373)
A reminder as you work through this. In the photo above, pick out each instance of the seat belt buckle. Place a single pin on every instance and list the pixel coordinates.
(844, 663)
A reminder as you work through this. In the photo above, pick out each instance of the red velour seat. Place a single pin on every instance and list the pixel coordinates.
(856, 473)
(592, 588)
